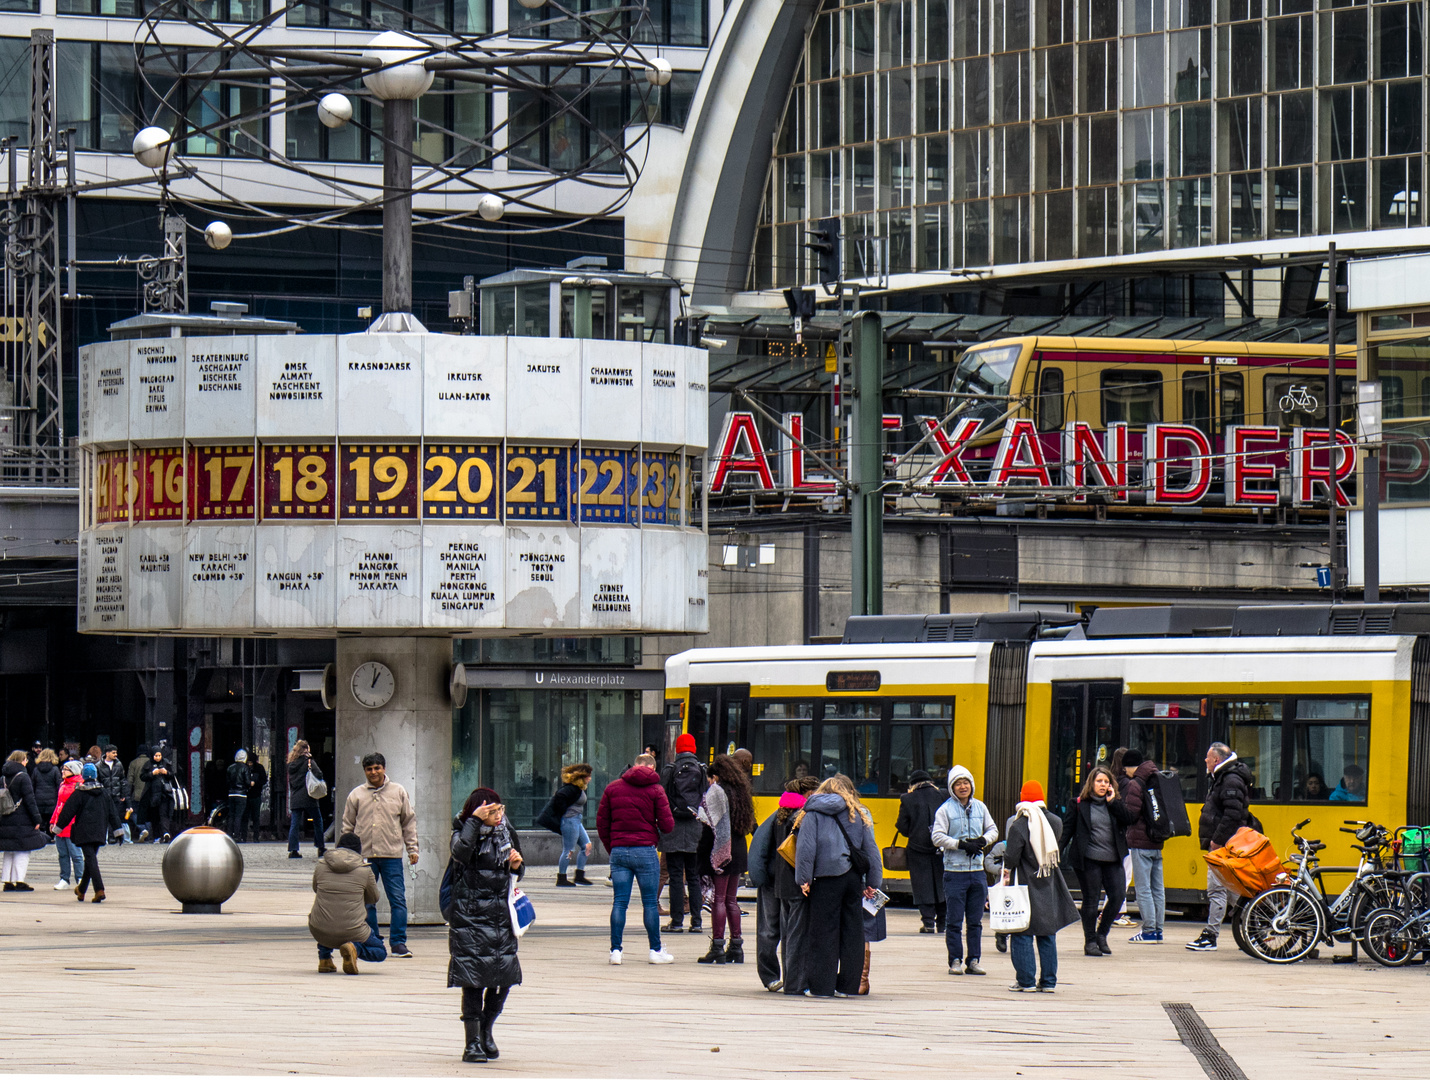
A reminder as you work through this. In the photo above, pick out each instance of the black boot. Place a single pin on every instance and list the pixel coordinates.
(716, 955)
(1103, 946)
(561, 880)
(474, 1051)
(491, 1009)
(582, 879)
(735, 954)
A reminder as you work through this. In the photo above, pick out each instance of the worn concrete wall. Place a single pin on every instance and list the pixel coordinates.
(911, 578)
(1181, 561)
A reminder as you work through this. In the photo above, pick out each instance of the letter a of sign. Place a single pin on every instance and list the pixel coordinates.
(949, 449)
(1020, 456)
(792, 474)
(1086, 464)
(741, 452)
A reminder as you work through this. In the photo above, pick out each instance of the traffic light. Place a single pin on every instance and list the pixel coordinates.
(825, 240)
(800, 303)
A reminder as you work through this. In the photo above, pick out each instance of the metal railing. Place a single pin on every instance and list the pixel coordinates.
(27, 466)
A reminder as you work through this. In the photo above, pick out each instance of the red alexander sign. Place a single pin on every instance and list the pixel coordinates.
(1177, 461)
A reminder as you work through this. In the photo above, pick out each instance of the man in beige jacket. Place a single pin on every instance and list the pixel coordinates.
(345, 890)
(381, 813)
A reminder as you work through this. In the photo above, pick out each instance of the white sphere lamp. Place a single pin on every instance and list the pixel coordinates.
(531, 5)
(658, 74)
(406, 79)
(334, 110)
(490, 207)
(218, 235)
(152, 147)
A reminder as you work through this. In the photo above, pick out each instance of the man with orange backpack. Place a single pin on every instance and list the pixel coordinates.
(1228, 808)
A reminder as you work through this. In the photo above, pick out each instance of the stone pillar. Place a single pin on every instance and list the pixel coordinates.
(413, 731)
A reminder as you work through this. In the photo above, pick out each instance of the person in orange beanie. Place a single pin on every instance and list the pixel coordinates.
(1032, 854)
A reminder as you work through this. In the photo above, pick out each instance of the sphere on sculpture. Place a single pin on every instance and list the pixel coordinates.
(202, 868)
(531, 5)
(490, 207)
(404, 77)
(218, 235)
(658, 74)
(152, 147)
(334, 110)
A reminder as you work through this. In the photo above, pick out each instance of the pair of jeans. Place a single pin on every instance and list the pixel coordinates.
(371, 950)
(725, 909)
(965, 893)
(1216, 901)
(295, 828)
(71, 860)
(91, 875)
(834, 940)
(1095, 878)
(639, 865)
(1151, 896)
(574, 839)
(1021, 948)
(683, 868)
(234, 814)
(391, 876)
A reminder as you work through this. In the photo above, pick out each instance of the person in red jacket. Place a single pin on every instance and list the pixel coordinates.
(630, 818)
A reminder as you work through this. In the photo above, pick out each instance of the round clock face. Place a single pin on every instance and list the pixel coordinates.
(373, 684)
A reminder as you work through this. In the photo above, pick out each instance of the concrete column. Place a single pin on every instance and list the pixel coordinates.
(413, 731)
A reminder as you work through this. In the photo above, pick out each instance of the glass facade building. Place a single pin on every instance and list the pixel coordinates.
(995, 132)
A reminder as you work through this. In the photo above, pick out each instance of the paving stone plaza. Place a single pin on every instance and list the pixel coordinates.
(132, 986)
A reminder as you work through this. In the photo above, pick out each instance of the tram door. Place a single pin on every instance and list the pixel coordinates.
(717, 718)
(1087, 722)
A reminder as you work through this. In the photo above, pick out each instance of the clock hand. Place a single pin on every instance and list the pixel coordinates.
(376, 674)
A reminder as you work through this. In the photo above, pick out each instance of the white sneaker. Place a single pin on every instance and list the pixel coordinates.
(62, 885)
(616, 957)
(956, 968)
(660, 956)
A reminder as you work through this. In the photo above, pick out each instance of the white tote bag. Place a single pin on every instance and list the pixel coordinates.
(1010, 911)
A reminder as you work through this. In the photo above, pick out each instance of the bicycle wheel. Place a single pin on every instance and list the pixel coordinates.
(1387, 939)
(1283, 924)
(1375, 894)
(1238, 927)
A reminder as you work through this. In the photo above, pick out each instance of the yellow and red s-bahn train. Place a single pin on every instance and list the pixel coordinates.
(1329, 707)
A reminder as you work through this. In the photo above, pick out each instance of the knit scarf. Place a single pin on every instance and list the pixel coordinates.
(1040, 836)
(715, 812)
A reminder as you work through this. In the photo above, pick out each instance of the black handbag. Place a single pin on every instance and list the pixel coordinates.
(896, 858)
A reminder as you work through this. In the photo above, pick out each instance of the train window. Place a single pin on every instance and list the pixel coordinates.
(1050, 399)
(1254, 732)
(783, 710)
(782, 752)
(1233, 400)
(1392, 397)
(1330, 744)
(1131, 397)
(1172, 746)
(1197, 400)
(851, 749)
(920, 746)
(1299, 400)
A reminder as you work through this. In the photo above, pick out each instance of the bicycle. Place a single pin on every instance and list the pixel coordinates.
(1393, 937)
(1298, 399)
(1284, 923)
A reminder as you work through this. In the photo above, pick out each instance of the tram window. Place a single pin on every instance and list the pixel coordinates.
(1303, 398)
(1330, 752)
(851, 749)
(920, 746)
(1197, 401)
(1254, 732)
(1392, 397)
(782, 753)
(1131, 397)
(836, 709)
(1233, 401)
(1050, 399)
(783, 710)
(1171, 746)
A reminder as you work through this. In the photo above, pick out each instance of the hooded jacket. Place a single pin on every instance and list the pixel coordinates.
(634, 810)
(821, 850)
(1135, 796)
(17, 830)
(781, 873)
(345, 887)
(159, 789)
(67, 787)
(46, 778)
(88, 814)
(1228, 805)
(953, 823)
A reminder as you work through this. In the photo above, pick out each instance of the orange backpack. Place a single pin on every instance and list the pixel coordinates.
(1248, 863)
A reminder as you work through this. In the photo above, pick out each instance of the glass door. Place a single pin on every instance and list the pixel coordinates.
(1087, 722)
(717, 718)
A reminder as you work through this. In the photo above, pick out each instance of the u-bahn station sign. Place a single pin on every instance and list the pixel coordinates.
(391, 483)
(1167, 464)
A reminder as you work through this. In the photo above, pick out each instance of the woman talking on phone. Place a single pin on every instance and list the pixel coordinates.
(485, 855)
(1094, 844)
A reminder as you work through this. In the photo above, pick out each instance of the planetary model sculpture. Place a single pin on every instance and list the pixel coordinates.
(202, 869)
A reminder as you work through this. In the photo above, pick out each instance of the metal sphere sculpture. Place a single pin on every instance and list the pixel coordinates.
(202, 868)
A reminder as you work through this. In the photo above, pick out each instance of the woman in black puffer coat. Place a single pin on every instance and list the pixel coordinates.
(46, 778)
(20, 830)
(485, 855)
(91, 816)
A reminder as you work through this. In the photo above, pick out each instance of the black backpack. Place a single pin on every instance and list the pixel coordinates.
(1163, 808)
(685, 787)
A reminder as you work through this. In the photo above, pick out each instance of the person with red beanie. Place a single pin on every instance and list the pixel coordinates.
(1032, 854)
(630, 819)
(684, 782)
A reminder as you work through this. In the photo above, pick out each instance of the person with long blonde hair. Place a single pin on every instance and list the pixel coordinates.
(300, 804)
(837, 864)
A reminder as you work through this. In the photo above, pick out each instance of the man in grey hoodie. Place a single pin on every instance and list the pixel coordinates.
(963, 830)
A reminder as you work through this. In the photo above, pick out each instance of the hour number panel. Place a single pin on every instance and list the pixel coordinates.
(535, 483)
(298, 481)
(160, 473)
(662, 491)
(379, 481)
(221, 483)
(603, 479)
(116, 486)
(461, 482)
